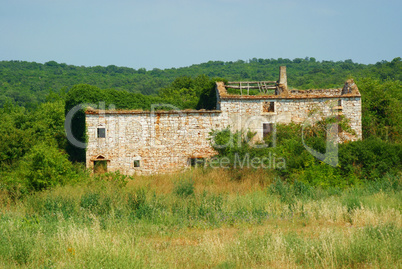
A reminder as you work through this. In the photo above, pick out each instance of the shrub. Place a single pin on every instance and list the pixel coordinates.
(323, 175)
(45, 166)
(371, 158)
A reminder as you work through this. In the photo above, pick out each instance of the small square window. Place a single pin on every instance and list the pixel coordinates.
(101, 132)
(136, 163)
(268, 107)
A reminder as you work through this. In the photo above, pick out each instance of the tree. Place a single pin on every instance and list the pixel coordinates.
(44, 166)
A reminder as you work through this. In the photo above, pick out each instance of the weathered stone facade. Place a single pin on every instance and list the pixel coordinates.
(147, 142)
(162, 141)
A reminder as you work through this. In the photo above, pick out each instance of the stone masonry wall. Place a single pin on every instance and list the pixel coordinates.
(247, 114)
(162, 142)
(352, 110)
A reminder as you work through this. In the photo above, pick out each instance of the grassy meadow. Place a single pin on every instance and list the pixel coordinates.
(205, 219)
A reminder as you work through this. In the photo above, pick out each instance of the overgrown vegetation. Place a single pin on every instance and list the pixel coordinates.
(54, 213)
(361, 161)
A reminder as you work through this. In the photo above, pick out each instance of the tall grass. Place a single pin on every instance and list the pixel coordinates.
(203, 219)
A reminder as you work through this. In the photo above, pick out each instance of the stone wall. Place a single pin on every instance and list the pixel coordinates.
(352, 110)
(161, 141)
(248, 114)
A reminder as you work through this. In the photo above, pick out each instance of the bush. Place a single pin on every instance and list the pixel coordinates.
(44, 166)
(359, 161)
(371, 158)
(323, 175)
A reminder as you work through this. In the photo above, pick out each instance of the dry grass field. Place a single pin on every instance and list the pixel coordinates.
(203, 219)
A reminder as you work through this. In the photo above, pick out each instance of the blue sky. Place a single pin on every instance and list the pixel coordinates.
(178, 33)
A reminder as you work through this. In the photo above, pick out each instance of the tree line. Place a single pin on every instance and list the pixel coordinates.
(28, 83)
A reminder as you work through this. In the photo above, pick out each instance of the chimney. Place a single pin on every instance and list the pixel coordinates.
(283, 81)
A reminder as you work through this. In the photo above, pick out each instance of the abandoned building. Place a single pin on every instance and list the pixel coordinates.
(149, 142)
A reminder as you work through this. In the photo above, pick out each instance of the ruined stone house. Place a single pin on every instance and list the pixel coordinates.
(148, 142)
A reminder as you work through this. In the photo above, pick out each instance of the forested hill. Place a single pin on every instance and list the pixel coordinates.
(28, 83)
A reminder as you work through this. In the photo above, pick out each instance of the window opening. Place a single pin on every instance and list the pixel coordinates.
(101, 132)
(100, 167)
(268, 107)
(194, 162)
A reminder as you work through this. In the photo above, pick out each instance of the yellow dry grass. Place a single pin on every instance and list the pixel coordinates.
(218, 181)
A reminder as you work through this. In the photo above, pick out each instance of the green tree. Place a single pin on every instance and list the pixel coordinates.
(381, 109)
(44, 166)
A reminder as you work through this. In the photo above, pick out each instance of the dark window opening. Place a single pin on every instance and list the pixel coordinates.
(194, 162)
(100, 167)
(136, 163)
(101, 132)
(268, 107)
(267, 129)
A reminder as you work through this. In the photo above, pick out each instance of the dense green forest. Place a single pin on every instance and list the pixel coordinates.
(28, 83)
(34, 99)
